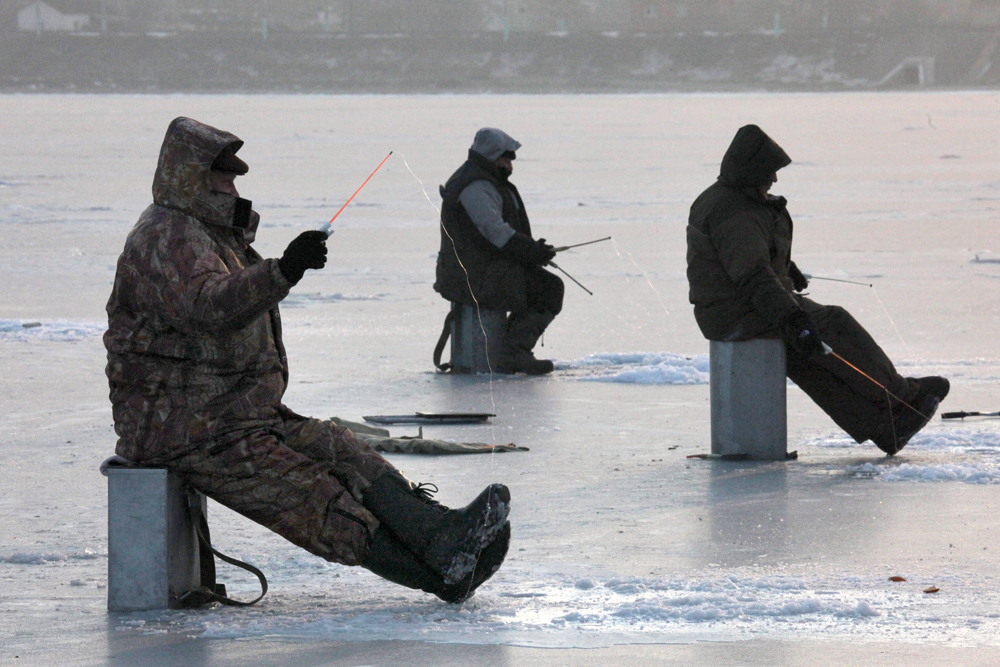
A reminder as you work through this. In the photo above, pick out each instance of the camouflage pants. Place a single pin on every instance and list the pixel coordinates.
(302, 478)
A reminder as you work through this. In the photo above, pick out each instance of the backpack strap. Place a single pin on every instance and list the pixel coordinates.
(210, 591)
(439, 348)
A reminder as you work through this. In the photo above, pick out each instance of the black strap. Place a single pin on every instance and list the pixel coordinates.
(439, 348)
(211, 591)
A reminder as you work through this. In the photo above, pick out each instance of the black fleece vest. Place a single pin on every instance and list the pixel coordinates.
(497, 283)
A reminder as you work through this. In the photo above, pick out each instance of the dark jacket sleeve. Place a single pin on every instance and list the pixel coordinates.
(745, 255)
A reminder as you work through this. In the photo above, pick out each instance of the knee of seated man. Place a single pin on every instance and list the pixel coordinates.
(831, 318)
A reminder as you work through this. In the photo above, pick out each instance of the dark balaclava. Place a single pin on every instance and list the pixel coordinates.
(751, 158)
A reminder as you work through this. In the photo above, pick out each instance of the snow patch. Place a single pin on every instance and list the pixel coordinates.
(566, 614)
(649, 368)
(940, 472)
(33, 558)
(52, 331)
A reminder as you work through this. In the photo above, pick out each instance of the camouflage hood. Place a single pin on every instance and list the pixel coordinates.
(182, 174)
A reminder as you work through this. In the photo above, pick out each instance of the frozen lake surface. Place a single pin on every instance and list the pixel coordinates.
(618, 539)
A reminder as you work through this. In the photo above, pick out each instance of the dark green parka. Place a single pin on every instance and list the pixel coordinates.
(739, 245)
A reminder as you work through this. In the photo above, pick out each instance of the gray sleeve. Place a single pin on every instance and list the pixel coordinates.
(485, 208)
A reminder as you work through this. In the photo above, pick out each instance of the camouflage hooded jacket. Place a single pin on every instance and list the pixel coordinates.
(194, 338)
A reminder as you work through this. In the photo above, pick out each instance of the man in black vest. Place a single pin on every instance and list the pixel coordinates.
(488, 256)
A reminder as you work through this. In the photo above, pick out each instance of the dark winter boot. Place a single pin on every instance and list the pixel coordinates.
(489, 562)
(909, 420)
(449, 541)
(523, 331)
(934, 386)
(390, 559)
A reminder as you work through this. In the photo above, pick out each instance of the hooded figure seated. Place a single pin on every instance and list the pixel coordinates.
(488, 256)
(744, 284)
(197, 371)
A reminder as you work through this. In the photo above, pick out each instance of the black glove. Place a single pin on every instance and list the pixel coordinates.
(799, 281)
(527, 251)
(306, 251)
(803, 334)
(546, 250)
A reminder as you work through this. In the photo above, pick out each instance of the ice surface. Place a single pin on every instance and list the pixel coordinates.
(618, 538)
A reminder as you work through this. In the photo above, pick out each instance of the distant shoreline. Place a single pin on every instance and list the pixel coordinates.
(931, 57)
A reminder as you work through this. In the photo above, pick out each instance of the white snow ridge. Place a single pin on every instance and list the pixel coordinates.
(52, 331)
(641, 368)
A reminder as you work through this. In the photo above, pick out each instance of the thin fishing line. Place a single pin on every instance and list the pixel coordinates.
(646, 277)
(886, 311)
(884, 388)
(493, 402)
(617, 311)
(489, 364)
(880, 302)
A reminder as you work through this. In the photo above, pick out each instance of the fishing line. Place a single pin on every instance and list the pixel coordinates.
(886, 311)
(877, 297)
(648, 281)
(489, 365)
(829, 350)
(482, 328)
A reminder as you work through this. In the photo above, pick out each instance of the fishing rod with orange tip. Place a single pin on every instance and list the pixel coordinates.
(829, 351)
(326, 225)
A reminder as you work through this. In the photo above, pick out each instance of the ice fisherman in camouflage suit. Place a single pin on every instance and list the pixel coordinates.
(197, 370)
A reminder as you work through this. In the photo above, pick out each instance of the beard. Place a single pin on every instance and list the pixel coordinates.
(505, 172)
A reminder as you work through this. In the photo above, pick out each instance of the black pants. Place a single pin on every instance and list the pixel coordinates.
(855, 402)
(545, 290)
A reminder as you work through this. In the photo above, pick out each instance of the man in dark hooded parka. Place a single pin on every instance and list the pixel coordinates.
(488, 256)
(197, 371)
(744, 284)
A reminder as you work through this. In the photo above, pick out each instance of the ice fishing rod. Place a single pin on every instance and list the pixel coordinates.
(829, 351)
(836, 280)
(963, 414)
(556, 266)
(577, 245)
(326, 225)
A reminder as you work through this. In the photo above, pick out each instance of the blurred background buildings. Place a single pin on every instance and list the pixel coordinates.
(496, 45)
(502, 16)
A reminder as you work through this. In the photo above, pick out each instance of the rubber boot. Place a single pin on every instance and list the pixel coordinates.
(449, 541)
(489, 562)
(390, 559)
(909, 419)
(490, 559)
(523, 331)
